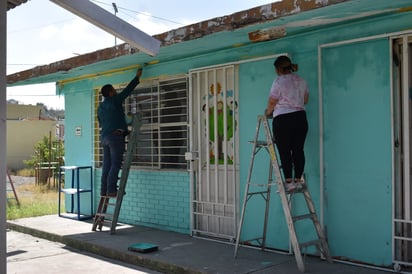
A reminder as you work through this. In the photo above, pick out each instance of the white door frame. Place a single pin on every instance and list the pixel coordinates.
(402, 203)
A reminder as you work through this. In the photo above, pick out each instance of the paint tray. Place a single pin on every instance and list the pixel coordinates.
(142, 247)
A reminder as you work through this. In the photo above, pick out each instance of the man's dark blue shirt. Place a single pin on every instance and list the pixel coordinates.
(111, 113)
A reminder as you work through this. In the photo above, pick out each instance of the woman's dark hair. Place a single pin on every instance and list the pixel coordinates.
(106, 90)
(283, 64)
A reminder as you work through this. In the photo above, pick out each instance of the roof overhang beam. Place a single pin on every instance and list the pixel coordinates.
(112, 24)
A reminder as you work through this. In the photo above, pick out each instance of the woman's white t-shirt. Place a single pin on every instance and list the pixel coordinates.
(289, 90)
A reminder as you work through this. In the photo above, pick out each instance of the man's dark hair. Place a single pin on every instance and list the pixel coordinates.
(106, 90)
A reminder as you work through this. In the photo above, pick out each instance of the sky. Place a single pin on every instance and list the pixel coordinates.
(40, 32)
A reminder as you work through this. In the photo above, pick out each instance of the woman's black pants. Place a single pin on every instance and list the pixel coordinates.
(289, 131)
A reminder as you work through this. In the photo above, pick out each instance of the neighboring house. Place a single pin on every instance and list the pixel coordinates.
(16, 111)
(203, 92)
(26, 126)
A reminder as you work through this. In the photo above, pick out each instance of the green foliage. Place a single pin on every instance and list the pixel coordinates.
(46, 151)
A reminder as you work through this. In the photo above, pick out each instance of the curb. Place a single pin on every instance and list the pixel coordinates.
(130, 258)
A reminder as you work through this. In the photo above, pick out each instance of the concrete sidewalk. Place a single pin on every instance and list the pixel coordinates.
(177, 253)
(27, 254)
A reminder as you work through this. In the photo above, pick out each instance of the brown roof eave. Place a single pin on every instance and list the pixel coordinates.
(197, 30)
(11, 4)
(71, 63)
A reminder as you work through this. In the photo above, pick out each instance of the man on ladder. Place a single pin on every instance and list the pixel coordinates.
(113, 125)
(114, 129)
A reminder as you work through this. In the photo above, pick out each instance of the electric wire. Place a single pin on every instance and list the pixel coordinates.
(120, 8)
(139, 12)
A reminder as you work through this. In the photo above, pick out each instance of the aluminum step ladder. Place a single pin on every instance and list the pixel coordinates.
(11, 188)
(286, 198)
(103, 216)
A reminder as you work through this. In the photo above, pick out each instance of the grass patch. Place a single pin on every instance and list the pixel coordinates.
(26, 172)
(34, 201)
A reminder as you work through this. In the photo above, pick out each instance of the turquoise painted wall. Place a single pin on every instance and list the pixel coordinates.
(357, 147)
(78, 148)
(357, 138)
(255, 82)
(155, 199)
(357, 84)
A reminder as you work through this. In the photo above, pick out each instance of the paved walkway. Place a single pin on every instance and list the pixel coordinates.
(28, 254)
(177, 253)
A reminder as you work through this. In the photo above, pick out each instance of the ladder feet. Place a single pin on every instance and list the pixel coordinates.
(98, 222)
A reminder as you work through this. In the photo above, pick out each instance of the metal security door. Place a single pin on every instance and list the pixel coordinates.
(402, 121)
(214, 139)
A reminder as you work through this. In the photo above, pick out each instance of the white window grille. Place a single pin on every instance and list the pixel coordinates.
(163, 136)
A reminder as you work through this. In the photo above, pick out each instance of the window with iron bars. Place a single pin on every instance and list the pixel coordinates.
(163, 135)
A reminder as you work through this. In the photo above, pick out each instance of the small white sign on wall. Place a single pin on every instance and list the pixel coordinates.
(78, 131)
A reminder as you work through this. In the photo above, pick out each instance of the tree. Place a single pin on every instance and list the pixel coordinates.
(48, 156)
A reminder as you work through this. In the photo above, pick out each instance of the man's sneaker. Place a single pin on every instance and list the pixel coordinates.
(290, 187)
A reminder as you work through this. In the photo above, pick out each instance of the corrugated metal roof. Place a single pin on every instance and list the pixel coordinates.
(11, 4)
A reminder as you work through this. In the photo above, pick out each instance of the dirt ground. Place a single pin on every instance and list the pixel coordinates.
(19, 183)
(21, 180)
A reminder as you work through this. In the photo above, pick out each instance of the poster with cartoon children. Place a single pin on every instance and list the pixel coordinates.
(219, 107)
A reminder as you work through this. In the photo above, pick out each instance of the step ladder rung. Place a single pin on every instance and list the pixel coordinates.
(260, 143)
(104, 215)
(304, 216)
(257, 192)
(110, 204)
